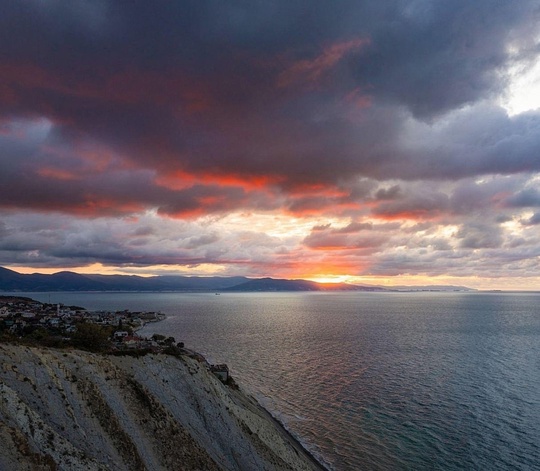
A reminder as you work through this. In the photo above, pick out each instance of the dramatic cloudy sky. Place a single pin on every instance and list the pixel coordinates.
(387, 142)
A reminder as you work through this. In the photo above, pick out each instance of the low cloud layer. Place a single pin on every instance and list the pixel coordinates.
(289, 138)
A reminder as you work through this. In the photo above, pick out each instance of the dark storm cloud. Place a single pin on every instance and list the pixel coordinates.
(436, 56)
(195, 86)
(486, 141)
(527, 198)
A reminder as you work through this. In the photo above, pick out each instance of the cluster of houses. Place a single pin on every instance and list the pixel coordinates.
(123, 340)
(21, 316)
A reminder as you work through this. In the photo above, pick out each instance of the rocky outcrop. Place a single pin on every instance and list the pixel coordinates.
(74, 410)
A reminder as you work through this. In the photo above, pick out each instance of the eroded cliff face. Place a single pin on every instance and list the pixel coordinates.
(73, 410)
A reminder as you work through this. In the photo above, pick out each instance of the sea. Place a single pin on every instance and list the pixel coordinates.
(372, 381)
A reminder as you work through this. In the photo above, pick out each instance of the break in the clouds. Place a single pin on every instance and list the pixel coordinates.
(286, 138)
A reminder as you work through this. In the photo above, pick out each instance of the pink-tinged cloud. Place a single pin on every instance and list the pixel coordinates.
(57, 174)
(130, 86)
(422, 206)
(310, 71)
(356, 237)
(359, 98)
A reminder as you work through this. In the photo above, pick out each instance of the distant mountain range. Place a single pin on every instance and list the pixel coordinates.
(272, 284)
(69, 281)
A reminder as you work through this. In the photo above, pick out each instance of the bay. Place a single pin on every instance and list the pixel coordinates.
(374, 381)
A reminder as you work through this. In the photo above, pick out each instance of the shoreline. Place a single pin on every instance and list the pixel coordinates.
(161, 318)
(146, 412)
(250, 402)
(238, 394)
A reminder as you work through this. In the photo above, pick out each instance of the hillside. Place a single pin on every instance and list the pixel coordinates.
(69, 281)
(11, 281)
(74, 410)
(272, 284)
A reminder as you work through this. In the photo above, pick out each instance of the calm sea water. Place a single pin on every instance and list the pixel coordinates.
(372, 381)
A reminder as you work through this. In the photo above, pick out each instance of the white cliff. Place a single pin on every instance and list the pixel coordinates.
(74, 410)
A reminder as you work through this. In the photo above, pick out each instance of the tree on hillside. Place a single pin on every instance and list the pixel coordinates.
(91, 337)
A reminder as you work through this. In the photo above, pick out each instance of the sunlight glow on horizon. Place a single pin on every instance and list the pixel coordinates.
(330, 279)
(473, 282)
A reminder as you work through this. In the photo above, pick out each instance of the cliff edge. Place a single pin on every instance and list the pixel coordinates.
(75, 410)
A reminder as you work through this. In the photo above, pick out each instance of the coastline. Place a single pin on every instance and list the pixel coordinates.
(250, 402)
(72, 409)
(145, 322)
(268, 440)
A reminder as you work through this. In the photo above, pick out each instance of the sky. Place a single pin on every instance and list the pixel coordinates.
(393, 142)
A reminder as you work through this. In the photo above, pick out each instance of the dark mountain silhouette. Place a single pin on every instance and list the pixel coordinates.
(271, 284)
(166, 283)
(9, 279)
(62, 281)
(69, 281)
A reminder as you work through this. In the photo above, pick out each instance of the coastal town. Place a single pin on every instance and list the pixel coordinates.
(24, 320)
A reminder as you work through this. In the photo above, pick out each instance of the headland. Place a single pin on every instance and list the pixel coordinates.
(65, 408)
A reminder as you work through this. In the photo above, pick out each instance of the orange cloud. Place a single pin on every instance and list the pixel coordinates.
(414, 215)
(179, 180)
